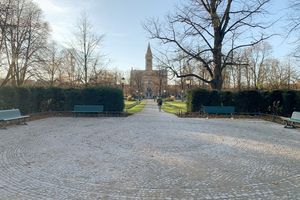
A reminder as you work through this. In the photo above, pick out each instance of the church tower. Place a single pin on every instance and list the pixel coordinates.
(149, 58)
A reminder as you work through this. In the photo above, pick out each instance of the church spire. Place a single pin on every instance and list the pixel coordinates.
(149, 58)
(149, 52)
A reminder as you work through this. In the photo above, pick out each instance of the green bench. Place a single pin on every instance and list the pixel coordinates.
(86, 109)
(10, 115)
(219, 110)
(289, 122)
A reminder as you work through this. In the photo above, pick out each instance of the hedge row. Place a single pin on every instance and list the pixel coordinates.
(281, 102)
(34, 100)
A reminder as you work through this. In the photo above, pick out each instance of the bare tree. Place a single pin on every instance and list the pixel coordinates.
(257, 56)
(86, 44)
(49, 69)
(294, 23)
(202, 30)
(136, 81)
(5, 14)
(24, 38)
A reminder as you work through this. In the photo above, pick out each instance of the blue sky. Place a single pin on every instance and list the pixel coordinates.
(125, 40)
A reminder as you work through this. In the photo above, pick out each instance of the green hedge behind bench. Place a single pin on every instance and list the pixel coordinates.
(251, 101)
(38, 99)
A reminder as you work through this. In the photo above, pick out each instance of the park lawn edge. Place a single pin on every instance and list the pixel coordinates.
(173, 108)
(138, 108)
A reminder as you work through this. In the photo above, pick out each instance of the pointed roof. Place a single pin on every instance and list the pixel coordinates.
(149, 52)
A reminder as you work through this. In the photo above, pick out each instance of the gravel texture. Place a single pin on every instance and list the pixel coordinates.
(150, 155)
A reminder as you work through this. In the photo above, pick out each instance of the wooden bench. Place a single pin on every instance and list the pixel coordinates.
(10, 115)
(219, 110)
(88, 109)
(289, 122)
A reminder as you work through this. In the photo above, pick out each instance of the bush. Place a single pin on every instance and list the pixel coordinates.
(32, 100)
(8, 96)
(214, 98)
(196, 98)
(72, 97)
(248, 101)
(289, 102)
(251, 101)
(226, 98)
(130, 98)
(23, 100)
(170, 98)
(274, 97)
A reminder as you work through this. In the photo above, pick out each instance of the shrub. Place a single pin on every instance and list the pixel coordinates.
(214, 99)
(72, 97)
(8, 96)
(130, 98)
(196, 98)
(38, 99)
(226, 98)
(56, 99)
(240, 101)
(289, 102)
(170, 98)
(248, 101)
(23, 100)
(272, 98)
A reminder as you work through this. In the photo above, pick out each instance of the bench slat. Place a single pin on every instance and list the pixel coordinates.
(88, 108)
(295, 115)
(219, 109)
(9, 114)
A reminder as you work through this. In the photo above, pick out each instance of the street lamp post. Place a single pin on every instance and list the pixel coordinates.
(122, 83)
(137, 93)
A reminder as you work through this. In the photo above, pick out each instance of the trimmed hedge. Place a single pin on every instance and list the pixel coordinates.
(251, 101)
(38, 99)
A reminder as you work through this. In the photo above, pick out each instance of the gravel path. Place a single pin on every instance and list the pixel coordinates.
(151, 155)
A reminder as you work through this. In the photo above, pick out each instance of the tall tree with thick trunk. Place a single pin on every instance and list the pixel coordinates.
(202, 30)
(25, 36)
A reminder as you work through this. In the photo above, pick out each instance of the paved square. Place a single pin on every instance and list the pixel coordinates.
(150, 155)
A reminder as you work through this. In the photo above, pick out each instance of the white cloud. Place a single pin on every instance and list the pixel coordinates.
(49, 6)
(61, 17)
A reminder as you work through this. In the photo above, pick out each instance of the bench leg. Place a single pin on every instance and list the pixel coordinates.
(24, 122)
(289, 124)
(21, 122)
(3, 124)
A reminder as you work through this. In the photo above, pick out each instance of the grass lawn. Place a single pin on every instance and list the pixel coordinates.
(129, 103)
(136, 108)
(174, 107)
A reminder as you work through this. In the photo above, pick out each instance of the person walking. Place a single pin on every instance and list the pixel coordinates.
(159, 104)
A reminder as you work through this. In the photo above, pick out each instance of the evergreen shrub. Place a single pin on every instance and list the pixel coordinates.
(38, 99)
(248, 101)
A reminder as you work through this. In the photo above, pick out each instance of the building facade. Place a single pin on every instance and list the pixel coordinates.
(148, 83)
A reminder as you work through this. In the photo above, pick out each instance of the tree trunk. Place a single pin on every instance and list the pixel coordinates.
(217, 81)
